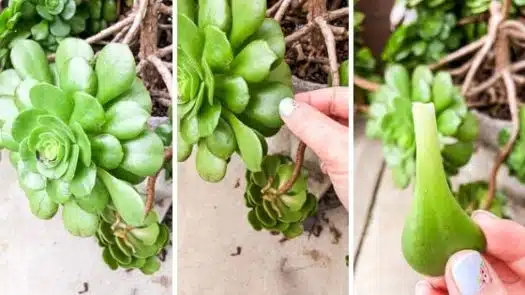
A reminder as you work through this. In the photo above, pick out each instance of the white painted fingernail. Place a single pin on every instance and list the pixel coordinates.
(287, 106)
(422, 287)
(470, 274)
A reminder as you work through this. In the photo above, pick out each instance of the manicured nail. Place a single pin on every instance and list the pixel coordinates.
(287, 106)
(422, 288)
(470, 274)
(484, 214)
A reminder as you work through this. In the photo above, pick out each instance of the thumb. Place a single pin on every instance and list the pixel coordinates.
(468, 273)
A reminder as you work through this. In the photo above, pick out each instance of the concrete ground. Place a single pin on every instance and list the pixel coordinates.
(41, 257)
(212, 225)
(380, 210)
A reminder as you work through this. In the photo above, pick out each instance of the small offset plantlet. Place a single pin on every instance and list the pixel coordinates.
(77, 135)
(273, 206)
(472, 195)
(390, 120)
(231, 78)
(437, 226)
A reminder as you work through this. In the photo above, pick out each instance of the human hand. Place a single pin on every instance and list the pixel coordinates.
(501, 269)
(320, 119)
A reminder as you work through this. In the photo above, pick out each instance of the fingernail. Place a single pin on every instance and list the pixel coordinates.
(483, 214)
(422, 287)
(470, 273)
(287, 106)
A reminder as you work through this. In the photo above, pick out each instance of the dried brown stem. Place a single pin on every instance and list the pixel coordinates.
(164, 72)
(282, 10)
(365, 84)
(139, 16)
(330, 47)
(152, 181)
(299, 158)
(461, 70)
(520, 65)
(468, 49)
(473, 19)
(330, 16)
(274, 8)
(111, 30)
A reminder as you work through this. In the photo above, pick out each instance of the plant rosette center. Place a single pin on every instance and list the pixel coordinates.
(78, 137)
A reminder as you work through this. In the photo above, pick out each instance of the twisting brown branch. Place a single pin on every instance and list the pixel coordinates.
(152, 181)
(274, 8)
(282, 10)
(459, 53)
(111, 30)
(518, 66)
(494, 22)
(365, 84)
(330, 47)
(330, 16)
(164, 72)
(299, 159)
(139, 16)
(120, 34)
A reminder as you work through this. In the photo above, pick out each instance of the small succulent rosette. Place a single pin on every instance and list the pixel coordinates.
(77, 132)
(390, 119)
(471, 195)
(273, 209)
(231, 78)
(516, 159)
(132, 247)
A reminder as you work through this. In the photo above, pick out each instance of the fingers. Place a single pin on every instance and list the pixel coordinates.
(325, 137)
(505, 240)
(468, 273)
(424, 288)
(330, 101)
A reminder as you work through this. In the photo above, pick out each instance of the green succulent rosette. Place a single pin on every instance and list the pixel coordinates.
(424, 38)
(77, 132)
(275, 211)
(471, 195)
(231, 78)
(390, 119)
(131, 247)
(516, 159)
(50, 21)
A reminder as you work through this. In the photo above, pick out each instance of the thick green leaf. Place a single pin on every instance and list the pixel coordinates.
(294, 230)
(148, 235)
(125, 175)
(254, 221)
(295, 202)
(144, 155)
(263, 108)
(282, 74)
(22, 97)
(69, 10)
(151, 266)
(87, 112)
(270, 31)
(8, 109)
(139, 94)
(208, 118)
(396, 76)
(222, 142)
(209, 167)
(246, 20)
(79, 222)
(233, 92)
(189, 37)
(448, 122)
(77, 74)
(41, 204)
(183, 149)
(96, 201)
(25, 123)
(30, 61)
(469, 129)
(31, 180)
(126, 199)
(109, 10)
(250, 147)
(52, 99)
(442, 89)
(119, 255)
(83, 143)
(72, 163)
(264, 218)
(125, 120)
(59, 28)
(9, 81)
(73, 47)
(109, 260)
(116, 69)
(215, 13)
(59, 191)
(84, 181)
(106, 151)
(187, 8)
(254, 62)
(217, 50)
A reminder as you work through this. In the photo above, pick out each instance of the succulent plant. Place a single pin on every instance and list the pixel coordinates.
(50, 21)
(77, 133)
(231, 78)
(390, 119)
(272, 209)
(516, 159)
(424, 39)
(165, 132)
(471, 195)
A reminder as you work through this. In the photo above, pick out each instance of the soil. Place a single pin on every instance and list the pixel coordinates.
(307, 59)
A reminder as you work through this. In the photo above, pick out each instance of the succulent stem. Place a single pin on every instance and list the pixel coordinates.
(297, 169)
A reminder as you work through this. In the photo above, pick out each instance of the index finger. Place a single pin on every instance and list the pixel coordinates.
(332, 101)
(505, 240)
